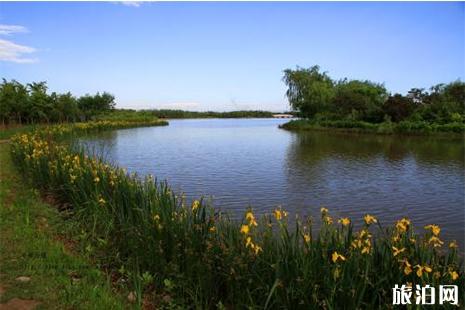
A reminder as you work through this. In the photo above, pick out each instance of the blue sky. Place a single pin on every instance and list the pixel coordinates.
(226, 56)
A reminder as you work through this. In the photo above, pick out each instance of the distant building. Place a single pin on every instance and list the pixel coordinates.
(283, 115)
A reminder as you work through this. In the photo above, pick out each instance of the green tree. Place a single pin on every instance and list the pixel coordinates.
(309, 90)
(7, 93)
(398, 107)
(361, 100)
(39, 102)
(444, 103)
(13, 101)
(91, 105)
(65, 107)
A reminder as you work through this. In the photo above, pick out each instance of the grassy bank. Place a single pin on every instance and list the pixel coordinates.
(176, 253)
(417, 128)
(30, 247)
(112, 120)
(8, 132)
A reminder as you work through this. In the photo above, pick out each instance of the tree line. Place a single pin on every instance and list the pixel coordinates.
(167, 113)
(314, 95)
(31, 103)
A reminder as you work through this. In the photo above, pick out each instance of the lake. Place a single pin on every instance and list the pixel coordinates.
(251, 162)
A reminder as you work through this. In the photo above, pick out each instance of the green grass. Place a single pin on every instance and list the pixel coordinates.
(176, 253)
(405, 127)
(30, 234)
(8, 132)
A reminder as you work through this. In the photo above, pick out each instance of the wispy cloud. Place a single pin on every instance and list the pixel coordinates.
(135, 4)
(11, 51)
(10, 29)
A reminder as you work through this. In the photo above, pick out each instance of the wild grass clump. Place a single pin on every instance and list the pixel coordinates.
(193, 256)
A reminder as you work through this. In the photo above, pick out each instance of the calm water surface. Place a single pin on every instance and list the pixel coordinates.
(242, 162)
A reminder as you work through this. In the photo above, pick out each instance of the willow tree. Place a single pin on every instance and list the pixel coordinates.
(309, 90)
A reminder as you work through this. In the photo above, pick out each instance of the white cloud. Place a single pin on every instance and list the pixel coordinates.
(10, 29)
(13, 52)
(135, 4)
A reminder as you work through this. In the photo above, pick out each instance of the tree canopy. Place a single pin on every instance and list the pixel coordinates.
(31, 103)
(314, 95)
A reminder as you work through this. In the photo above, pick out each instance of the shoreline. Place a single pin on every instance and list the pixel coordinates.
(454, 130)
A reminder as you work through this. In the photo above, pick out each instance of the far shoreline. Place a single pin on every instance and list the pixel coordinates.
(385, 128)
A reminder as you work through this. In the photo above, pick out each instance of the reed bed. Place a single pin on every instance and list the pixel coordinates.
(174, 253)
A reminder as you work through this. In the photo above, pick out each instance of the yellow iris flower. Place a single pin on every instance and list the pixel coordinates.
(337, 257)
(435, 229)
(397, 251)
(424, 268)
(245, 229)
(369, 219)
(345, 221)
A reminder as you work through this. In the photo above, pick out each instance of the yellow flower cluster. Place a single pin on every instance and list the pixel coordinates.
(434, 239)
(279, 214)
(246, 231)
(101, 201)
(453, 245)
(403, 225)
(156, 219)
(344, 221)
(307, 238)
(250, 218)
(369, 219)
(362, 241)
(406, 266)
(326, 218)
(397, 251)
(435, 229)
(195, 205)
(421, 269)
(337, 257)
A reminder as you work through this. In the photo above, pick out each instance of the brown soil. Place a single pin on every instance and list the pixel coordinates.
(19, 304)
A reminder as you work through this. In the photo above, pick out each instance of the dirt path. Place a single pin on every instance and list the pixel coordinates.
(19, 304)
